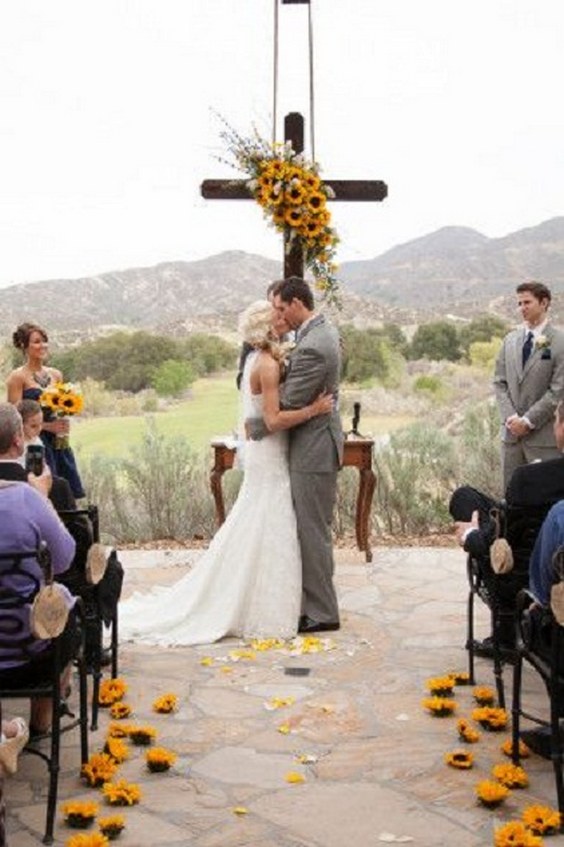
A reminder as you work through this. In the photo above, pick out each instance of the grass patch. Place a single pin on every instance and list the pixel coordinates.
(212, 409)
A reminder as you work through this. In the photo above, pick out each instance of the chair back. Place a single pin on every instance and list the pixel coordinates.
(22, 575)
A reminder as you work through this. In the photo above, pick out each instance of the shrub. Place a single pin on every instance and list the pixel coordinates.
(415, 470)
(428, 384)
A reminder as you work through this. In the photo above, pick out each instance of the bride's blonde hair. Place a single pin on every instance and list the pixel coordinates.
(255, 325)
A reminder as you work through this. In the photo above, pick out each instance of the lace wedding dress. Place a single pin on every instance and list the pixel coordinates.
(248, 582)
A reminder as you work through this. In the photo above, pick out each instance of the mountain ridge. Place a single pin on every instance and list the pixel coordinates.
(454, 269)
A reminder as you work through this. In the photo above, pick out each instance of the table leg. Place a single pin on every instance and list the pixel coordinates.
(217, 491)
(363, 507)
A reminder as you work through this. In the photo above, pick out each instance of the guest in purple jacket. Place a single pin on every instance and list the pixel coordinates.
(26, 518)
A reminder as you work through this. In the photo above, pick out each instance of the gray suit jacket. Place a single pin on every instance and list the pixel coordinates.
(316, 446)
(532, 391)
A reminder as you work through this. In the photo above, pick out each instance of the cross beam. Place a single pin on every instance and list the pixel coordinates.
(346, 190)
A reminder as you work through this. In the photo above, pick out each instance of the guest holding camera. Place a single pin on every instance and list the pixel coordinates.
(27, 517)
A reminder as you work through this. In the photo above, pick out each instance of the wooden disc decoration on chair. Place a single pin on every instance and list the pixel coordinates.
(49, 612)
(501, 556)
(557, 602)
(97, 562)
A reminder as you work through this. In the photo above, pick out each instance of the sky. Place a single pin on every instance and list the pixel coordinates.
(108, 122)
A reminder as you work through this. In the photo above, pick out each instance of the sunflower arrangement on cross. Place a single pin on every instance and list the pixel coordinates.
(293, 197)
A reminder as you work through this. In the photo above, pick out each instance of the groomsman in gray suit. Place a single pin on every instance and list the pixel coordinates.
(316, 448)
(529, 382)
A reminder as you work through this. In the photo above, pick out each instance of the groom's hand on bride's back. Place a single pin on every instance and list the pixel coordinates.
(255, 429)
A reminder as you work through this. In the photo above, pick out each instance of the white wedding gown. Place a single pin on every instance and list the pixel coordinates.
(248, 582)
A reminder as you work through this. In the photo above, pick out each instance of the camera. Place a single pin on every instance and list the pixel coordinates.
(34, 458)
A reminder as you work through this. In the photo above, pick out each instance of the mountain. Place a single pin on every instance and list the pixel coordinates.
(454, 270)
(457, 265)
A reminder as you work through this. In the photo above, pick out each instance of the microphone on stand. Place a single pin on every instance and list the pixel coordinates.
(356, 419)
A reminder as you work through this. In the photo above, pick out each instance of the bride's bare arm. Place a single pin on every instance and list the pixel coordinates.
(274, 417)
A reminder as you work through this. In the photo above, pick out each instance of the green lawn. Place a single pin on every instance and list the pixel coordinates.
(211, 410)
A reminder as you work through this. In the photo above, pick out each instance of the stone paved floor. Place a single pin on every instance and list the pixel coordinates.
(379, 775)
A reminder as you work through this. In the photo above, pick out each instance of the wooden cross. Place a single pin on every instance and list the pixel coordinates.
(349, 190)
(343, 189)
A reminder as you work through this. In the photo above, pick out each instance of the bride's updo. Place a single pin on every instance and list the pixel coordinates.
(255, 324)
(22, 335)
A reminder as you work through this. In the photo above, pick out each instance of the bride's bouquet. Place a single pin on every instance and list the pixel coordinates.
(62, 400)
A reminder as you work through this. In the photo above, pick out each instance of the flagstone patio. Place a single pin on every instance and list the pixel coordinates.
(373, 770)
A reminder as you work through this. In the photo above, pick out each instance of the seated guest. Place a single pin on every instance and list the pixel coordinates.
(12, 460)
(534, 485)
(27, 517)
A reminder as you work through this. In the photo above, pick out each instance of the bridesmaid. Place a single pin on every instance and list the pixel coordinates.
(28, 381)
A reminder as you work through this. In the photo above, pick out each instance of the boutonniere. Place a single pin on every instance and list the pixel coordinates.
(284, 350)
(543, 343)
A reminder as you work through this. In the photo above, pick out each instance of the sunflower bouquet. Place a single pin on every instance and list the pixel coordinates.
(293, 198)
(62, 400)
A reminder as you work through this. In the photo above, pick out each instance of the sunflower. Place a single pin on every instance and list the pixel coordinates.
(312, 181)
(491, 793)
(491, 718)
(310, 229)
(117, 749)
(166, 703)
(293, 217)
(466, 732)
(121, 793)
(294, 194)
(118, 730)
(541, 820)
(440, 686)
(111, 690)
(439, 707)
(142, 735)
(512, 776)
(95, 839)
(159, 759)
(79, 815)
(514, 834)
(111, 826)
(120, 710)
(98, 770)
(459, 759)
(507, 748)
(71, 404)
(459, 677)
(484, 695)
(316, 201)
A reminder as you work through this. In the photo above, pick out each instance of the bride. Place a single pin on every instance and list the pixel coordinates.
(248, 583)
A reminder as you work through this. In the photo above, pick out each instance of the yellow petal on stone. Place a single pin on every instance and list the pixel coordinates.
(240, 810)
(226, 669)
(294, 777)
(206, 661)
(284, 729)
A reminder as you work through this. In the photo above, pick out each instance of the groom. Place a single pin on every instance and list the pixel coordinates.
(316, 448)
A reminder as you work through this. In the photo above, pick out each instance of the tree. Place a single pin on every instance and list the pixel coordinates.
(437, 340)
(366, 355)
(172, 377)
(482, 328)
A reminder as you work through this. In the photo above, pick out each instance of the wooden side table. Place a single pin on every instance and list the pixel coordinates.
(357, 454)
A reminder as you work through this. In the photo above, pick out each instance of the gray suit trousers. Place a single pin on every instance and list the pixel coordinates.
(314, 499)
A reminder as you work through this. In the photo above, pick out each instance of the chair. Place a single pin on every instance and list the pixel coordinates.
(519, 525)
(84, 526)
(540, 642)
(19, 586)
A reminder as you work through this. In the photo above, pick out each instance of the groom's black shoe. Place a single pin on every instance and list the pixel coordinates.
(307, 624)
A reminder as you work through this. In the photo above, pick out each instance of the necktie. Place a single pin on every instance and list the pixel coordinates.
(527, 347)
